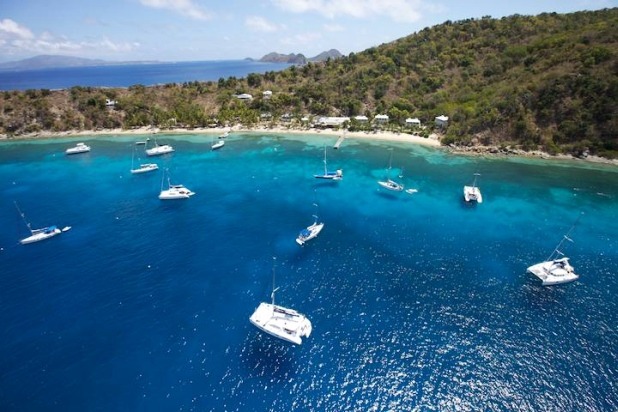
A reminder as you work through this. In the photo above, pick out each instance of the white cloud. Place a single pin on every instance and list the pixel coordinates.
(257, 23)
(301, 39)
(12, 30)
(333, 27)
(397, 10)
(184, 7)
(19, 40)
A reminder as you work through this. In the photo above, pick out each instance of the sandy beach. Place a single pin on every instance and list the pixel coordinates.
(433, 140)
(379, 135)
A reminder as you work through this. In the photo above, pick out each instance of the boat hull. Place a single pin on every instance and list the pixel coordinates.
(554, 272)
(175, 194)
(391, 185)
(472, 194)
(280, 322)
(308, 234)
(160, 150)
(80, 148)
(145, 168)
(40, 234)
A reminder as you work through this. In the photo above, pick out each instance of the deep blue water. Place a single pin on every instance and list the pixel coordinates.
(132, 74)
(418, 302)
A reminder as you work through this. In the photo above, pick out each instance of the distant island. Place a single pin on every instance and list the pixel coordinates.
(300, 58)
(47, 61)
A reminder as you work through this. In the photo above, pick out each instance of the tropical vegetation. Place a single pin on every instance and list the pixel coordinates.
(535, 82)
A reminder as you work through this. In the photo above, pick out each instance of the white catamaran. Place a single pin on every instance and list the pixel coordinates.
(336, 175)
(281, 322)
(36, 235)
(389, 183)
(173, 191)
(556, 269)
(473, 193)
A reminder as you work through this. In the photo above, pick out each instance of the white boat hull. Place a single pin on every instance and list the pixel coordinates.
(144, 168)
(472, 194)
(218, 145)
(391, 185)
(80, 148)
(308, 234)
(280, 322)
(554, 272)
(41, 234)
(338, 175)
(160, 150)
(176, 192)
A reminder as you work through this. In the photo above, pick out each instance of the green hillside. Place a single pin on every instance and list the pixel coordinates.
(548, 81)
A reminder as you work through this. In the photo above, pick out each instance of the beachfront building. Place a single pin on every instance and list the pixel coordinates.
(442, 121)
(361, 119)
(413, 122)
(331, 121)
(380, 119)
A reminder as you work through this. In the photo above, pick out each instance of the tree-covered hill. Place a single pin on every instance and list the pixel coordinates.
(548, 81)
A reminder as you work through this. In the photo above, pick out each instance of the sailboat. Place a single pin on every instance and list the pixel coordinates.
(389, 183)
(36, 235)
(158, 150)
(473, 193)
(311, 231)
(144, 167)
(281, 322)
(556, 269)
(173, 191)
(336, 175)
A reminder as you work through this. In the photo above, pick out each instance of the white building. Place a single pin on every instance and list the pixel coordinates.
(413, 122)
(332, 121)
(442, 121)
(381, 119)
(267, 94)
(361, 119)
(244, 96)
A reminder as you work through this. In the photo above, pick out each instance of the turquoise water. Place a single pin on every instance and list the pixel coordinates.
(418, 302)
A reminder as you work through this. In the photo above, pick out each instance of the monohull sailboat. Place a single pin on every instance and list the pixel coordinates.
(36, 235)
(389, 183)
(336, 175)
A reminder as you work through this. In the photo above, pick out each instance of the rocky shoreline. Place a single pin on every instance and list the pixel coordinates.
(507, 151)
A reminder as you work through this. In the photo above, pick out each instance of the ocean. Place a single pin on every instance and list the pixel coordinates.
(418, 302)
(126, 75)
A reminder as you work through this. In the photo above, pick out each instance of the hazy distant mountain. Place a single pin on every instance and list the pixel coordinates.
(299, 58)
(53, 61)
(49, 61)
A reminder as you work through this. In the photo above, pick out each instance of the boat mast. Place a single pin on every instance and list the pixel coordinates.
(474, 181)
(272, 295)
(23, 216)
(567, 236)
(325, 168)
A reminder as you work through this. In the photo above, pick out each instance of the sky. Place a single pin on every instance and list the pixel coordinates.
(197, 30)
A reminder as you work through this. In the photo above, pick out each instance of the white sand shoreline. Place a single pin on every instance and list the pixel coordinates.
(432, 140)
(380, 135)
